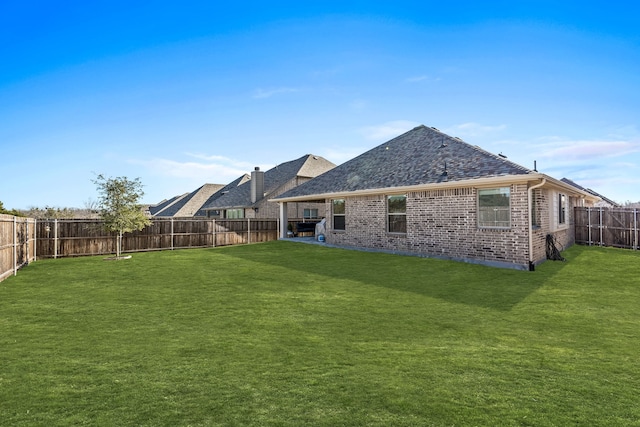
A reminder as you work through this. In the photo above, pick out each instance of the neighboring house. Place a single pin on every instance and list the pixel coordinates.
(250, 199)
(159, 207)
(215, 196)
(431, 194)
(186, 205)
(604, 202)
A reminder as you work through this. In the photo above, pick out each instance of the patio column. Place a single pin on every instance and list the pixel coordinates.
(284, 220)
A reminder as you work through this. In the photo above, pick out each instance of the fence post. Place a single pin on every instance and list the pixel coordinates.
(634, 242)
(589, 224)
(601, 227)
(213, 231)
(35, 240)
(15, 249)
(55, 238)
(248, 230)
(171, 233)
(26, 242)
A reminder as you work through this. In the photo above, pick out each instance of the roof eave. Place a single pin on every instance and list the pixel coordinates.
(476, 182)
(571, 189)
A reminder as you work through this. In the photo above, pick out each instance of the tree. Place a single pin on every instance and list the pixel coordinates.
(13, 212)
(119, 207)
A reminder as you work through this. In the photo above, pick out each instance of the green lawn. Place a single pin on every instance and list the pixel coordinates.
(283, 333)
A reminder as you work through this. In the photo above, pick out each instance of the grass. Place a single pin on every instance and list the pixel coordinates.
(287, 334)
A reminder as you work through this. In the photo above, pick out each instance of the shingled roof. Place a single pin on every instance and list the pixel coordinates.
(307, 166)
(590, 191)
(188, 205)
(423, 155)
(157, 208)
(221, 192)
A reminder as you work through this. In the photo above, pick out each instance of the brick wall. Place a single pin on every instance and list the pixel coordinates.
(440, 223)
(268, 209)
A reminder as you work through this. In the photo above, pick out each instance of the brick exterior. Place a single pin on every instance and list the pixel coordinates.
(444, 223)
(267, 209)
(564, 235)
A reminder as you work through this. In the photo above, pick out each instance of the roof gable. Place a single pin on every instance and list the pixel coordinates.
(221, 192)
(421, 156)
(188, 205)
(305, 166)
(158, 208)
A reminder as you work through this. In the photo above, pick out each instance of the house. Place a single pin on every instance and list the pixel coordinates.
(427, 193)
(153, 210)
(221, 192)
(186, 205)
(251, 198)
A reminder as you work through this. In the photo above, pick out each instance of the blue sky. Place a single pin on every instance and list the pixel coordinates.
(180, 94)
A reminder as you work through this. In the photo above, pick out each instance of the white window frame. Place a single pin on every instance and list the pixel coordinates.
(396, 214)
(235, 213)
(310, 213)
(486, 212)
(562, 209)
(334, 214)
(557, 222)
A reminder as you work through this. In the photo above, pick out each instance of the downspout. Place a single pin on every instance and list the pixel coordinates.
(530, 203)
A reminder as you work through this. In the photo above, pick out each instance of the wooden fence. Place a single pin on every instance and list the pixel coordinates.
(618, 227)
(68, 237)
(17, 243)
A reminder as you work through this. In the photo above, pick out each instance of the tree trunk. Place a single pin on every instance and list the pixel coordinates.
(119, 244)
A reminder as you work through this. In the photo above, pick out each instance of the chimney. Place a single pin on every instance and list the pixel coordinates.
(257, 185)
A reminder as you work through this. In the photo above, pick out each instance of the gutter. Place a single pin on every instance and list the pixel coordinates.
(530, 203)
(475, 182)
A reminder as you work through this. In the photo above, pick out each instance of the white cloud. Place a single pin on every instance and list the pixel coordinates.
(582, 150)
(472, 129)
(388, 130)
(358, 105)
(189, 170)
(222, 160)
(422, 78)
(268, 93)
(340, 155)
(207, 168)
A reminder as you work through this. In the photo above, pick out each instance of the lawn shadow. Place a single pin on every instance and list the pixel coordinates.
(455, 282)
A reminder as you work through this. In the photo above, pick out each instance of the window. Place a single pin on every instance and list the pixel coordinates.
(494, 208)
(535, 215)
(310, 213)
(397, 214)
(562, 208)
(338, 214)
(235, 213)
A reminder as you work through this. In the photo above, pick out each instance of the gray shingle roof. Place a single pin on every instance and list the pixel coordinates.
(224, 190)
(155, 209)
(590, 191)
(306, 166)
(420, 156)
(188, 205)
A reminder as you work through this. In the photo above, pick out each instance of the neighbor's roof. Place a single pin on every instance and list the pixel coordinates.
(307, 166)
(188, 205)
(224, 190)
(421, 156)
(590, 191)
(155, 209)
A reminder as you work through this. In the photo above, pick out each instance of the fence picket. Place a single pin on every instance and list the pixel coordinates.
(75, 237)
(617, 227)
(17, 244)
